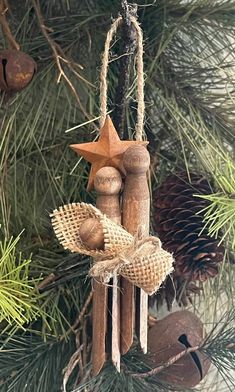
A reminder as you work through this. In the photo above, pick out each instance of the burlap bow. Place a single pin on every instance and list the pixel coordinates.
(142, 261)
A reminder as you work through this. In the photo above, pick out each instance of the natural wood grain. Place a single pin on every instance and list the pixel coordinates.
(99, 322)
(127, 315)
(107, 184)
(107, 151)
(136, 208)
(91, 234)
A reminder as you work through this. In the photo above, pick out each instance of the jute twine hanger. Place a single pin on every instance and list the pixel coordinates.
(140, 75)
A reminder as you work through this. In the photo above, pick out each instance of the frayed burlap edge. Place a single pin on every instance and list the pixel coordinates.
(66, 222)
(144, 263)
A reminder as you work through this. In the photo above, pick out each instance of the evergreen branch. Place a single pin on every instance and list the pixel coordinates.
(219, 217)
(219, 214)
(33, 141)
(19, 299)
(67, 303)
(59, 57)
(219, 346)
(5, 26)
(29, 364)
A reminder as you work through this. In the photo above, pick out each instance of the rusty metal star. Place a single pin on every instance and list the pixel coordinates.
(107, 151)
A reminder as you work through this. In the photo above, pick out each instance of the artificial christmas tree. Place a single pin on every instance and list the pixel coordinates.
(189, 123)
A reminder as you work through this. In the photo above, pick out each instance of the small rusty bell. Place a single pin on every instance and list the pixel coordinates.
(16, 70)
(170, 336)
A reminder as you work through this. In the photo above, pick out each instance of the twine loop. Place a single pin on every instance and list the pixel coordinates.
(140, 74)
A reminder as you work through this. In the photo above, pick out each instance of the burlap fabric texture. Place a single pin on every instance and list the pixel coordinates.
(142, 261)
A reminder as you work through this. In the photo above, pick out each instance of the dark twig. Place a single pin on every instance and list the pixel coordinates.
(170, 362)
(60, 58)
(83, 311)
(5, 26)
(48, 280)
(127, 51)
(74, 360)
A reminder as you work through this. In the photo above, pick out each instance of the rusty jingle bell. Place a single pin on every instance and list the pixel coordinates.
(16, 70)
(170, 336)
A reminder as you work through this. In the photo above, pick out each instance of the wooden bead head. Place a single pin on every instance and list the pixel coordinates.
(91, 234)
(136, 160)
(108, 181)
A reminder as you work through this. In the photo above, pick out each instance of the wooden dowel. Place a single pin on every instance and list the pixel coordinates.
(127, 315)
(136, 209)
(142, 318)
(99, 321)
(107, 184)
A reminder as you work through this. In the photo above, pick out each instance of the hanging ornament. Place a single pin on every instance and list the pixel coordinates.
(16, 70)
(128, 303)
(169, 337)
(179, 223)
(116, 233)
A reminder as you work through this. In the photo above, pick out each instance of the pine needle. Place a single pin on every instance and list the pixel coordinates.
(19, 299)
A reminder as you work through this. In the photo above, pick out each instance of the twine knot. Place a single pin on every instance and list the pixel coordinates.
(105, 268)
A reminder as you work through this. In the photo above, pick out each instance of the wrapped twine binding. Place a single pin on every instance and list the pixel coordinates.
(142, 261)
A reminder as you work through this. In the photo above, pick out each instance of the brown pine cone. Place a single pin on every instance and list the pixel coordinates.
(178, 222)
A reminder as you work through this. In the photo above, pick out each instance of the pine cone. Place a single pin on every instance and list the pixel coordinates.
(178, 224)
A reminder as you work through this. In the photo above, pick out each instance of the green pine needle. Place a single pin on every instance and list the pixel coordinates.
(220, 347)
(18, 294)
(219, 217)
(31, 365)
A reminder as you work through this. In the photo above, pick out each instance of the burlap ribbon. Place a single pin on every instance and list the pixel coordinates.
(142, 261)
